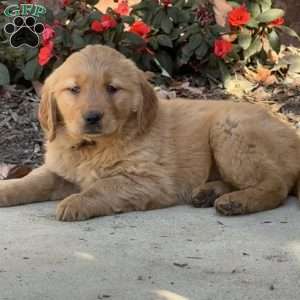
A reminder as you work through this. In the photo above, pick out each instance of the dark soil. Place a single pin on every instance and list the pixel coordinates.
(20, 134)
(21, 137)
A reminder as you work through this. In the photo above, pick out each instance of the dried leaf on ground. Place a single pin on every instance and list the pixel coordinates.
(9, 171)
(239, 86)
(261, 75)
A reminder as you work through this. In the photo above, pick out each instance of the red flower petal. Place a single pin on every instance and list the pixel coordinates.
(97, 26)
(48, 34)
(122, 8)
(239, 16)
(278, 21)
(108, 22)
(45, 53)
(140, 28)
(222, 48)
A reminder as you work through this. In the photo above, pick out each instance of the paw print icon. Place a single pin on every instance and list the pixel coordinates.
(24, 31)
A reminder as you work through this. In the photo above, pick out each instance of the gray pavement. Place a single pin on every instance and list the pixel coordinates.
(170, 254)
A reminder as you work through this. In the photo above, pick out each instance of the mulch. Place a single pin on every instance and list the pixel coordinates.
(20, 133)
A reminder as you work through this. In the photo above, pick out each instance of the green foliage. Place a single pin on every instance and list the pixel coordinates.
(182, 39)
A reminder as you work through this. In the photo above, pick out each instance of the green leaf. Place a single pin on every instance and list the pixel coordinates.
(127, 19)
(274, 40)
(4, 75)
(188, 31)
(32, 70)
(92, 2)
(234, 54)
(132, 39)
(195, 41)
(153, 43)
(49, 17)
(157, 20)
(186, 54)
(265, 4)
(217, 30)
(95, 15)
(234, 4)
(164, 72)
(81, 22)
(164, 40)
(252, 23)
(175, 34)
(254, 48)
(244, 38)
(201, 50)
(270, 15)
(225, 74)
(166, 24)
(173, 13)
(70, 10)
(166, 61)
(289, 31)
(254, 9)
(31, 53)
(77, 40)
(183, 16)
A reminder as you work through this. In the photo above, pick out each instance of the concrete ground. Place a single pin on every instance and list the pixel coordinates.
(170, 254)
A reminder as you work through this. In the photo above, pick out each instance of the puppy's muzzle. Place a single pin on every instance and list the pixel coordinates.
(92, 121)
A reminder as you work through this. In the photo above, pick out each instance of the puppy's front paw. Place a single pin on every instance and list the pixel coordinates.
(204, 198)
(72, 208)
(7, 198)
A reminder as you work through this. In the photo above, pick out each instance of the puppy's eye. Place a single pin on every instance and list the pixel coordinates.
(75, 90)
(111, 89)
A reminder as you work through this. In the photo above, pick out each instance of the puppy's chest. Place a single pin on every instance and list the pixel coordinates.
(83, 167)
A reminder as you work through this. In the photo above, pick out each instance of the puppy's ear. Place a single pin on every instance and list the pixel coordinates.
(48, 112)
(147, 108)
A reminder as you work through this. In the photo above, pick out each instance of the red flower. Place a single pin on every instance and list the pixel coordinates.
(46, 53)
(48, 34)
(97, 26)
(140, 28)
(239, 16)
(222, 48)
(166, 2)
(122, 8)
(108, 22)
(64, 3)
(278, 21)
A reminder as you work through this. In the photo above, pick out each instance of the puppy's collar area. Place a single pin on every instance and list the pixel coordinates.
(82, 144)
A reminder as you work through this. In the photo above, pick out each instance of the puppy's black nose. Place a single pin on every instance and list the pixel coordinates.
(92, 117)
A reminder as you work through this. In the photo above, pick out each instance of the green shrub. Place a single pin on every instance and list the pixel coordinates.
(167, 36)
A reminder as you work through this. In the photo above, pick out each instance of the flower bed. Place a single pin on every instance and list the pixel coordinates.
(169, 37)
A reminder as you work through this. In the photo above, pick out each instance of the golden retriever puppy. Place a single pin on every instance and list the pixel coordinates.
(112, 147)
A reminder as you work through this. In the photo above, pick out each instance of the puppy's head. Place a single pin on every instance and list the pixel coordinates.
(96, 92)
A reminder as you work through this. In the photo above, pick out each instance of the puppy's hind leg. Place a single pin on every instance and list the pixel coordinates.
(243, 159)
(268, 194)
(206, 194)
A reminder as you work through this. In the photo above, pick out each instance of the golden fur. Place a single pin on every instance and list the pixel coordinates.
(147, 153)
